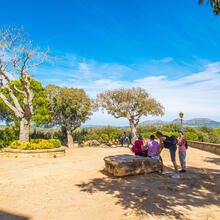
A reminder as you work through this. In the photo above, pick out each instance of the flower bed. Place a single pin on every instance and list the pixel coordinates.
(35, 148)
(36, 144)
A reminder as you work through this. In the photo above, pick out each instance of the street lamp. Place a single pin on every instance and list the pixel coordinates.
(181, 118)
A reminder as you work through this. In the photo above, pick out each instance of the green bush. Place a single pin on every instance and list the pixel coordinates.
(8, 135)
(191, 136)
(35, 144)
(104, 137)
(217, 130)
(147, 134)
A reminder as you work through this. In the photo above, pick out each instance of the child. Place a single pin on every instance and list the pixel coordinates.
(182, 150)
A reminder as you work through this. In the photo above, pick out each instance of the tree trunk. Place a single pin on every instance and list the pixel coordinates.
(69, 137)
(133, 130)
(24, 130)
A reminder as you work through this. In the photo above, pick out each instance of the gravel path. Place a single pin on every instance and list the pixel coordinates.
(77, 187)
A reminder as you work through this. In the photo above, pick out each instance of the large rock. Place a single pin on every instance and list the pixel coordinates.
(91, 143)
(124, 165)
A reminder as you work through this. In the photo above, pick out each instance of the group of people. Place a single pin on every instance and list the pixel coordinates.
(124, 139)
(153, 149)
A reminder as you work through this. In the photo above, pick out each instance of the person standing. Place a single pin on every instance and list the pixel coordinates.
(182, 150)
(130, 138)
(170, 143)
(124, 138)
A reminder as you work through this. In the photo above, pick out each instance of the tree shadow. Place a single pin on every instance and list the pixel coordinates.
(213, 160)
(155, 194)
(10, 216)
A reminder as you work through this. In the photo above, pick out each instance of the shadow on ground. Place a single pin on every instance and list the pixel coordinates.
(213, 160)
(10, 216)
(160, 195)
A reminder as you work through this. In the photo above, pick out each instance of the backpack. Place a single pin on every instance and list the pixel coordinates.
(173, 139)
(170, 141)
(186, 144)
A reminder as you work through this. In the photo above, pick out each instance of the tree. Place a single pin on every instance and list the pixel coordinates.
(17, 58)
(129, 103)
(215, 4)
(41, 105)
(71, 107)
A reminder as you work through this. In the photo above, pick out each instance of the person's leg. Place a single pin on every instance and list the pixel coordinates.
(162, 166)
(173, 159)
(183, 160)
(139, 154)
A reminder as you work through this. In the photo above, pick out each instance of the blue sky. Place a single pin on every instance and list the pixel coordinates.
(170, 48)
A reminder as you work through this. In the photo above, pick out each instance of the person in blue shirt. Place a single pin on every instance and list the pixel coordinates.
(130, 138)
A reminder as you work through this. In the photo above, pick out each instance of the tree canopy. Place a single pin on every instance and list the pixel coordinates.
(129, 103)
(41, 105)
(215, 4)
(70, 108)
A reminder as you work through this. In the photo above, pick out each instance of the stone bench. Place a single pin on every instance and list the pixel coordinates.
(125, 165)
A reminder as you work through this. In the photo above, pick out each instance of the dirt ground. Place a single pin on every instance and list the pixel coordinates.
(76, 187)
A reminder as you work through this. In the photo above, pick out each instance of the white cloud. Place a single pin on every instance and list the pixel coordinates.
(197, 94)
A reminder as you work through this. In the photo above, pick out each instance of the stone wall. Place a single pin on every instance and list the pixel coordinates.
(213, 148)
(45, 153)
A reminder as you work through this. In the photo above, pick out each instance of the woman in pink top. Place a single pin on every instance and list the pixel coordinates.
(182, 150)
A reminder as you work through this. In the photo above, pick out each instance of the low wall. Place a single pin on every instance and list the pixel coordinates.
(44, 153)
(213, 148)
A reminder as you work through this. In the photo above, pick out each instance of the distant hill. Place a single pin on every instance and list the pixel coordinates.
(193, 122)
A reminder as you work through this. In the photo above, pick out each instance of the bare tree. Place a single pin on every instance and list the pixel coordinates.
(17, 58)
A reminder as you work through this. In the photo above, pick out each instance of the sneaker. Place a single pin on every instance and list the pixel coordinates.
(163, 173)
(182, 171)
(176, 176)
(156, 157)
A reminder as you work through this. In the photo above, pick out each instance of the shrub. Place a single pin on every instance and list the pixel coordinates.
(8, 135)
(104, 137)
(114, 135)
(203, 137)
(147, 134)
(217, 130)
(191, 136)
(35, 144)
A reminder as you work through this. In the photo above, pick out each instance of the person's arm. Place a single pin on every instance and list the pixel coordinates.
(144, 147)
(161, 146)
(181, 141)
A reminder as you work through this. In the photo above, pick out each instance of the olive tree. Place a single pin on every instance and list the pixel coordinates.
(70, 108)
(215, 4)
(41, 105)
(17, 58)
(129, 103)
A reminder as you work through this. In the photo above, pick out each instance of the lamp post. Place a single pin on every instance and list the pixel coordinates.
(181, 118)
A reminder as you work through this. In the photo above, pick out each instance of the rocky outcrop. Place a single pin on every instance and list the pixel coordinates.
(91, 143)
(125, 165)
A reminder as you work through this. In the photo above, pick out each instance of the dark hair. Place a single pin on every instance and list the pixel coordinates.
(140, 137)
(152, 137)
(159, 133)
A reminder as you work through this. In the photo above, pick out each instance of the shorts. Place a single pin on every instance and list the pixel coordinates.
(173, 153)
